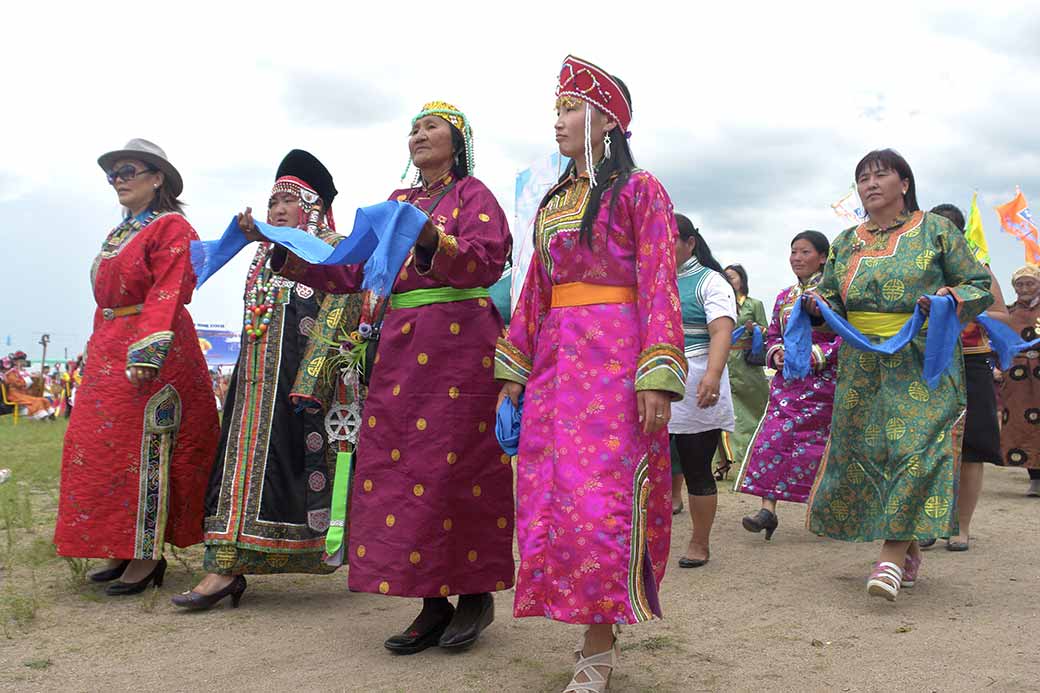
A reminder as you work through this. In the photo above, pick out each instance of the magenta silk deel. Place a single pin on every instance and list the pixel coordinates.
(785, 452)
(431, 508)
(593, 491)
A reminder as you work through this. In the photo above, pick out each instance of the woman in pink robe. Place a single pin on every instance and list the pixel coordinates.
(595, 342)
(431, 507)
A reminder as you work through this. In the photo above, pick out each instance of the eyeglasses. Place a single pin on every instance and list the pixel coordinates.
(126, 173)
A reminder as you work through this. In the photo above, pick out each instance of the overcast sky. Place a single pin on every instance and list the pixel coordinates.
(752, 116)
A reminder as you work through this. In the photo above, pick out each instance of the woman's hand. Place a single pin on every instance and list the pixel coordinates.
(428, 237)
(809, 300)
(749, 327)
(512, 391)
(655, 409)
(926, 303)
(141, 375)
(708, 390)
(998, 375)
(248, 226)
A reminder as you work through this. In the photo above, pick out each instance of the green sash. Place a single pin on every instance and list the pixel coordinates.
(440, 294)
(340, 503)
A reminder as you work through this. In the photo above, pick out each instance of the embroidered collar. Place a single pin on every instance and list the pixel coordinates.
(870, 226)
(437, 185)
(812, 281)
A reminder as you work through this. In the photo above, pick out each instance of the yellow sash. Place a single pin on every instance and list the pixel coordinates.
(879, 324)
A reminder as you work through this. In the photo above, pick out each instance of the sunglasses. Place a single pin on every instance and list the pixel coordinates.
(126, 173)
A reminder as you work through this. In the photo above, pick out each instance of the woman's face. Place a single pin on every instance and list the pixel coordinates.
(283, 209)
(134, 183)
(1026, 287)
(429, 144)
(734, 279)
(684, 249)
(570, 126)
(881, 189)
(805, 259)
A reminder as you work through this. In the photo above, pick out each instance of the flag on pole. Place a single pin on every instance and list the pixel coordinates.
(1016, 220)
(531, 185)
(974, 234)
(849, 207)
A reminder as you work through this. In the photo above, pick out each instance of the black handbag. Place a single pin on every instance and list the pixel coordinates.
(372, 343)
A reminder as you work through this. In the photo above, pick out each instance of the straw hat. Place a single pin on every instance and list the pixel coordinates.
(149, 153)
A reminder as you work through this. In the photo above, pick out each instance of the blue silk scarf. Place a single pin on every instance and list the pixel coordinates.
(382, 237)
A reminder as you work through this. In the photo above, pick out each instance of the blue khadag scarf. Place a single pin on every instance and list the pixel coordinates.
(1004, 341)
(944, 329)
(757, 342)
(507, 425)
(382, 237)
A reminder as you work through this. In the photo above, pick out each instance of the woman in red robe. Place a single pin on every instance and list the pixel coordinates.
(142, 437)
(431, 510)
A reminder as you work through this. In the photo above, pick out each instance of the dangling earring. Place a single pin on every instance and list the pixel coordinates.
(606, 145)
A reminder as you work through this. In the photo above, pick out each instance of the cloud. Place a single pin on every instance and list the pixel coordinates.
(333, 100)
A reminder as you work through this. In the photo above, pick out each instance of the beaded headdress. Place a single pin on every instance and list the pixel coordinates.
(301, 174)
(456, 118)
(582, 80)
(1027, 271)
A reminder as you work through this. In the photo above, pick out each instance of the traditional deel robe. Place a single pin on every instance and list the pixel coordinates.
(890, 466)
(267, 503)
(1020, 394)
(705, 296)
(18, 393)
(136, 459)
(431, 509)
(593, 491)
(748, 384)
(787, 447)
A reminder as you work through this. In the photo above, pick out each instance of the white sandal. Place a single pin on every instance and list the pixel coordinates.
(885, 581)
(591, 668)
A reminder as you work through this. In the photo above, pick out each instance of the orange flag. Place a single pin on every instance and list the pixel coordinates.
(1016, 220)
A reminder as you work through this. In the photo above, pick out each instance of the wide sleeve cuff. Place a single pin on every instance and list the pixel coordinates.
(662, 367)
(818, 358)
(288, 265)
(771, 353)
(151, 351)
(430, 261)
(511, 363)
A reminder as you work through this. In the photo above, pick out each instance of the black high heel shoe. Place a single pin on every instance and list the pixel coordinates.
(763, 519)
(108, 574)
(120, 588)
(195, 601)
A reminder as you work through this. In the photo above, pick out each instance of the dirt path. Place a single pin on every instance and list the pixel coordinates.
(787, 615)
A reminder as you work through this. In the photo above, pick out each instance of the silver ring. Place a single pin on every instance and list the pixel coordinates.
(659, 416)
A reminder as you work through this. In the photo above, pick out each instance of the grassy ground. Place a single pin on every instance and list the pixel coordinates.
(785, 615)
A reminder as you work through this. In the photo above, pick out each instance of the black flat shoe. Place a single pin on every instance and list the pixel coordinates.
(685, 562)
(195, 601)
(677, 510)
(763, 519)
(466, 627)
(108, 574)
(120, 588)
(413, 641)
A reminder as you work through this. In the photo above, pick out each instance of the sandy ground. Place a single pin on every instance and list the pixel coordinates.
(786, 615)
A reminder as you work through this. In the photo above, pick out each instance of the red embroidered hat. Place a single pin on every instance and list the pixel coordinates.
(585, 81)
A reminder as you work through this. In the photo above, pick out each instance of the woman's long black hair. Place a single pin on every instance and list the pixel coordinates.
(459, 162)
(613, 173)
(701, 251)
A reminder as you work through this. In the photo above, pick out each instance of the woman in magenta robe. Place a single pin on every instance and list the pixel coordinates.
(595, 344)
(787, 446)
(431, 508)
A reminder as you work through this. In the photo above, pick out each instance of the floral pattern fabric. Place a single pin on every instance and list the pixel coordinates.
(593, 491)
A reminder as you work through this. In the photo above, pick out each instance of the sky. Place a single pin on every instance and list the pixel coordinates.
(753, 115)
